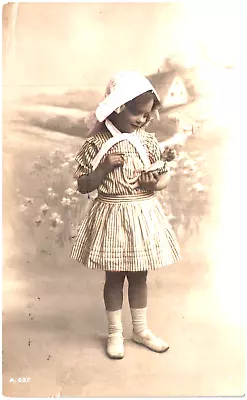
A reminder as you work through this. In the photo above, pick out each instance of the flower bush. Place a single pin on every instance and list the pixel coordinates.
(57, 205)
(186, 199)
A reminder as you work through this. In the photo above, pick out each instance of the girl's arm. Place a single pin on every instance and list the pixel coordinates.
(153, 182)
(88, 183)
(162, 181)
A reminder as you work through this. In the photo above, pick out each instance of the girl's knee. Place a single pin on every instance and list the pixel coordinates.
(137, 278)
(114, 278)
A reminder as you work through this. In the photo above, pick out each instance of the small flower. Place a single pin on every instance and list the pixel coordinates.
(23, 208)
(186, 172)
(44, 209)
(55, 216)
(169, 154)
(52, 195)
(55, 222)
(38, 220)
(65, 164)
(69, 191)
(49, 189)
(199, 187)
(55, 219)
(29, 200)
(65, 201)
(182, 155)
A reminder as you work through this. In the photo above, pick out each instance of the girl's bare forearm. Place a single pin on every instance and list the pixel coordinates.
(89, 183)
(162, 182)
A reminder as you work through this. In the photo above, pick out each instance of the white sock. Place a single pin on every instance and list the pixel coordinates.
(115, 326)
(139, 319)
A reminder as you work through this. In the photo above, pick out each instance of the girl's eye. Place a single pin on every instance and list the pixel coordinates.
(137, 114)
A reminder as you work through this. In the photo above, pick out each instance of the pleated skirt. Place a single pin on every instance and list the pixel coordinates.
(126, 233)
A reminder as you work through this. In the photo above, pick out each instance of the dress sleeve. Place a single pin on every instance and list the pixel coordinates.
(155, 153)
(84, 158)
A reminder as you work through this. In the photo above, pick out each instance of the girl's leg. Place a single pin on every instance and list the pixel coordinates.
(113, 290)
(138, 306)
(113, 297)
(137, 289)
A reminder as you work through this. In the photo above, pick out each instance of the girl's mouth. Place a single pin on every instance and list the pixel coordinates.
(136, 126)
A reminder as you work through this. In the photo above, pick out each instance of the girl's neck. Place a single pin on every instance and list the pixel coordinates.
(113, 120)
(111, 127)
(116, 125)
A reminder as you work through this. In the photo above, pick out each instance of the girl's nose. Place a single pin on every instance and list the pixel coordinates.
(141, 119)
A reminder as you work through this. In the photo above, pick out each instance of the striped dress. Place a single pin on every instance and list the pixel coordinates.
(126, 229)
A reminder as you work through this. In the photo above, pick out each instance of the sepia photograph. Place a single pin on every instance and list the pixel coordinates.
(123, 158)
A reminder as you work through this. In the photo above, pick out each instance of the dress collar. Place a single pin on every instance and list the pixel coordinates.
(117, 137)
(114, 131)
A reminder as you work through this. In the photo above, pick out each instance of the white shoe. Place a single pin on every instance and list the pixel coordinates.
(115, 347)
(148, 339)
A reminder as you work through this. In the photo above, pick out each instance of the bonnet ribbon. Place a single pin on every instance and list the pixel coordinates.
(117, 137)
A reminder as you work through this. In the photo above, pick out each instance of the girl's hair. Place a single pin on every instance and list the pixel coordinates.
(143, 99)
(139, 101)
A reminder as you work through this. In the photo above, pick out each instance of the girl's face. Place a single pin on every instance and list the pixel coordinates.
(134, 115)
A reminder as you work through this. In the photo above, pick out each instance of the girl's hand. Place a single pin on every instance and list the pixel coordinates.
(112, 161)
(148, 180)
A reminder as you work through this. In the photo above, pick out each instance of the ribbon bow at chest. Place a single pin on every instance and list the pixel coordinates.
(117, 137)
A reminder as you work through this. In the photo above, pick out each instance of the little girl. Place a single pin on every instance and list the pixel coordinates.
(125, 233)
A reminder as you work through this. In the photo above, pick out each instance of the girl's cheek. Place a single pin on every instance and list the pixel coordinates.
(131, 117)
